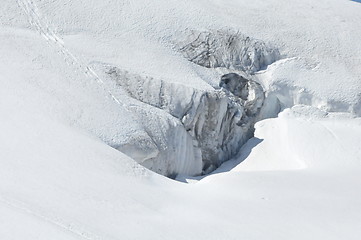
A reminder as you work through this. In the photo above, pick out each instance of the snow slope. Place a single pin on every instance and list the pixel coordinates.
(61, 122)
(322, 35)
(66, 184)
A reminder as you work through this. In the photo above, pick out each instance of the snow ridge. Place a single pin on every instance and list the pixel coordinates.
(54, 220)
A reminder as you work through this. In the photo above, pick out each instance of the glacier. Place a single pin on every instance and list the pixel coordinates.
(252, 106)
(193, 131)
(228, 49)
(198, 130)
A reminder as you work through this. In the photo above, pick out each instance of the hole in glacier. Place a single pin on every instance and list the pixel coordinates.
(189, 131)
(241, 156)
(192, 132)
(227, 166)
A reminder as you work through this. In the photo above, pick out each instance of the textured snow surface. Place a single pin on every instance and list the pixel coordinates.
(89, 88)
(227, 49)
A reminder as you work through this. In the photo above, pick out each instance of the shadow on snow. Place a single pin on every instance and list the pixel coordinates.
(230, 164)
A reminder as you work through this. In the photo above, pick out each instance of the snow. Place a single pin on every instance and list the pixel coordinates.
(70, 134)
(310, 139)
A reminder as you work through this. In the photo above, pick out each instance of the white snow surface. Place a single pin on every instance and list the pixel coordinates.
(62, 123)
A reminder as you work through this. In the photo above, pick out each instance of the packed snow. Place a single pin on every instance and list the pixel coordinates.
(180, 119)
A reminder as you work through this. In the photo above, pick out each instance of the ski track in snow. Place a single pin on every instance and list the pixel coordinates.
(334, 135)
(35, 19)
(63, 225)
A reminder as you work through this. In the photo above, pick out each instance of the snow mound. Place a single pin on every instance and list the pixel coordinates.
(289, 82)
(303, 137)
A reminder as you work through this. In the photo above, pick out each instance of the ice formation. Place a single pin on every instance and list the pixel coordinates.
(192, 131)
(229, 49)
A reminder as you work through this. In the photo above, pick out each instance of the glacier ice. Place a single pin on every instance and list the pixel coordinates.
(191, 131)
(227, 48)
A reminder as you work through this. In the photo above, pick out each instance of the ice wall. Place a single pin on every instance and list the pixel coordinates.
(227, 48)
(192, 131)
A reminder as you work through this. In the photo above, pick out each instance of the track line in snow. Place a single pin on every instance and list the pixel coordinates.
(35, 19)
(334, 135)
(55, 221)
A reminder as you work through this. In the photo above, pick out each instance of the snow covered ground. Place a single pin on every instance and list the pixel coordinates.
(63, 120)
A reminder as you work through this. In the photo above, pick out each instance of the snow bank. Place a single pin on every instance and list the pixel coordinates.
(289, 90)
(303, 137)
